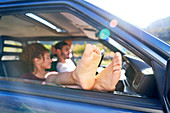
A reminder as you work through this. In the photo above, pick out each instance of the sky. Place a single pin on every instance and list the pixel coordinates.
(140, 13)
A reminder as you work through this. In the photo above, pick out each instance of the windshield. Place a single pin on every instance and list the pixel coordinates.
(151, 16)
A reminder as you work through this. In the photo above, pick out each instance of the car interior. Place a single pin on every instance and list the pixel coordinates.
(18, 30)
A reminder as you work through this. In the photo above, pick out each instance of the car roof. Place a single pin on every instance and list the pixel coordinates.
(24, 26)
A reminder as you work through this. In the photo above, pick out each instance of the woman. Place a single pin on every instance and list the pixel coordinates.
(38, 59)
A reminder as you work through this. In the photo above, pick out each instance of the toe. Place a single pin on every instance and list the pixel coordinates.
(117, 54)
(88, 49)
(98, 51)
(94, 47)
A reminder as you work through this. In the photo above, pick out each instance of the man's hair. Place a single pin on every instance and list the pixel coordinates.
(31, 51)
(59, 45)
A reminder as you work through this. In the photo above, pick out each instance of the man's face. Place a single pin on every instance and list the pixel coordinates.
(65, 51)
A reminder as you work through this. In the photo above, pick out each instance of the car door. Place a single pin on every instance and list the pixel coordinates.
(94, 100)
(166, 95)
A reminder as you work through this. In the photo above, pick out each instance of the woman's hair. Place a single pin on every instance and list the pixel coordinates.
(31, 51)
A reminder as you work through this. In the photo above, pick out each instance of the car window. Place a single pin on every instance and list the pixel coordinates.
(29, 30)
(11, 47)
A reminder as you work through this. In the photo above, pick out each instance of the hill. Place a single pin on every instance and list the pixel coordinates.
(160, 29)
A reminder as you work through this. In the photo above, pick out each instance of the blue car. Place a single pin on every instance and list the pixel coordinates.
(145, 79)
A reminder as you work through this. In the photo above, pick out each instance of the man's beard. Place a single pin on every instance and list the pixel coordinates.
(65, 56)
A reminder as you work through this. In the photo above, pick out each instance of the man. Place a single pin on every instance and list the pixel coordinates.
(70, 43)
(63, 51)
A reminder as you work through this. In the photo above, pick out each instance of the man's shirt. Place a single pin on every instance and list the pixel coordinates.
(66, 67)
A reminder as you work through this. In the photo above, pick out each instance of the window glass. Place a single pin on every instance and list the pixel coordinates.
(121, 48)
(11, 42)
(12, 49)
(10, 57)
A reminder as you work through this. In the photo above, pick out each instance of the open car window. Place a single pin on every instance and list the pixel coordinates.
(133, 70)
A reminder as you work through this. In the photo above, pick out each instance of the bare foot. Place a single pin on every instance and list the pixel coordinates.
(86, 68)
(109, 77)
